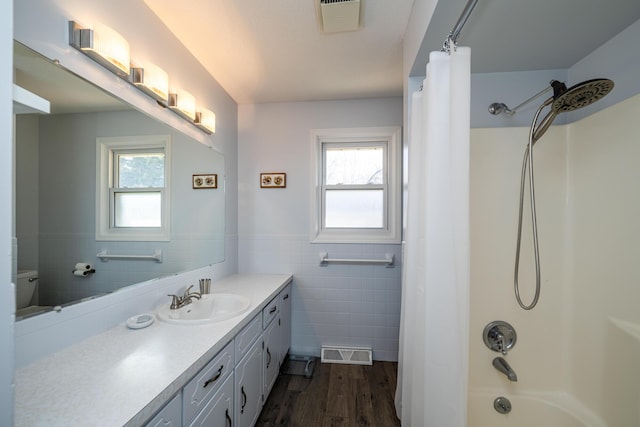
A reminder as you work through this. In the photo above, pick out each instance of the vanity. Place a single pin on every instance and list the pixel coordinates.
(166, 374)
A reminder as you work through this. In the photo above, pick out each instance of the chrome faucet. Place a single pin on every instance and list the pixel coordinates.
(501, 365)
(501, 343)
(180, 301)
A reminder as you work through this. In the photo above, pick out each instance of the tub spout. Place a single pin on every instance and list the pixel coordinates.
(501, 365)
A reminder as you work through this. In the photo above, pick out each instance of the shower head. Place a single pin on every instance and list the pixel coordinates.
(581, 95)
(565, 100)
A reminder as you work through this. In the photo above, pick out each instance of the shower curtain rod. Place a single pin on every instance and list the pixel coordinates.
(457, 28)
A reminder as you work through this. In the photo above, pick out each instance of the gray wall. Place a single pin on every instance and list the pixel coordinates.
(334, 305)
(617, 60)
(27, 176)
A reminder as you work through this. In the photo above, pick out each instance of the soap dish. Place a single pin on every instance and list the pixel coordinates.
(140, 321)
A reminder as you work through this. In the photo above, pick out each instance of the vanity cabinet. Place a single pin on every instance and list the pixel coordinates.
(193, 375)
(231, 389)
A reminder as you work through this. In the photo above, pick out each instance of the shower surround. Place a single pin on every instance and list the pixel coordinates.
(581, 344)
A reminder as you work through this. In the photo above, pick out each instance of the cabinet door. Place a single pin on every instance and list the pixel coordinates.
(218, 412)
(248, 388)
(271, 355)
(170, 415)
(285, 322)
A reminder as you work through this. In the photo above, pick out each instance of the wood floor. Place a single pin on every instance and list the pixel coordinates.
(336, 395)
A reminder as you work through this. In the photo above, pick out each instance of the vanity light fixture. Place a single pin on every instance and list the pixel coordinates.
(152, 80)
(103, 45)
(206, 120)
(108, 48)
(183, 103)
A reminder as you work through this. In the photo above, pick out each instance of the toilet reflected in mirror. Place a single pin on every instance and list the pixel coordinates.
(26, 296)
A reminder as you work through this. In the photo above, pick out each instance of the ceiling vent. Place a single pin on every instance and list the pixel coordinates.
(335, 16)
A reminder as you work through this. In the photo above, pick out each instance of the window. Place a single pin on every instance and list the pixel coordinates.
(133, 189)
(356, 184)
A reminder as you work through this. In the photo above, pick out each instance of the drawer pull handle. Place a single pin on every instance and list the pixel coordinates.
(244, 400)
(273, 310)
(226, 414)
(268, 358)
(214, 378)
(286, 297)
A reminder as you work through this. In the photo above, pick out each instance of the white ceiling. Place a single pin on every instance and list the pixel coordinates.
(266, 51)
(272, 51)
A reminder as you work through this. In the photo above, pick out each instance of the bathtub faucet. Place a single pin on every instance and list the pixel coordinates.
(501, 365)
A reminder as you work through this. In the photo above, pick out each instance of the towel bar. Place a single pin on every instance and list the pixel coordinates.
(157, 256)
(325, 260)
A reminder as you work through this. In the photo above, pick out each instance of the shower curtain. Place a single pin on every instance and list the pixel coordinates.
(433, 354)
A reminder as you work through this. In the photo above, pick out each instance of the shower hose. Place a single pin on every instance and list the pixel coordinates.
(527, 163)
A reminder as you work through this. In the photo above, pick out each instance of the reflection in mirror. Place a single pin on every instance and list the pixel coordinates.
(55, 194)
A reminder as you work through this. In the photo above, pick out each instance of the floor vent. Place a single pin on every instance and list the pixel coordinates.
(347, 355)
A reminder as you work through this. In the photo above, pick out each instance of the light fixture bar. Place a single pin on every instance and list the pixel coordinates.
(109, 49)
(103, 45)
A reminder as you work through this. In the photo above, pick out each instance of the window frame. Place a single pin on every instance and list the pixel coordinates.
(105, 190)
(389, 137)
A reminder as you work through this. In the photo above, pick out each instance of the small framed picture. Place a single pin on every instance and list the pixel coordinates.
(273, 180)
(204, 181)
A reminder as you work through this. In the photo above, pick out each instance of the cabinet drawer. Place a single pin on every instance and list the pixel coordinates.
(169, 416)
(270, 312)
(247, 336)
(285, 296)
(205, 384)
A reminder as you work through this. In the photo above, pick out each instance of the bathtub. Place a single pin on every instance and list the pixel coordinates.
(528, 410)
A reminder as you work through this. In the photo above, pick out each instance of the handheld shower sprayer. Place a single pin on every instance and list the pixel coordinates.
(563, 99)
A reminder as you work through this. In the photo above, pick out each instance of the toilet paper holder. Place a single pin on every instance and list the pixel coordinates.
(82, 269)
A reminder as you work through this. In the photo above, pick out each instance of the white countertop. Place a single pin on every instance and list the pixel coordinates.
(123, 376)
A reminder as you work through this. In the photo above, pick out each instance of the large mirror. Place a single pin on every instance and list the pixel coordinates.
(56, 175)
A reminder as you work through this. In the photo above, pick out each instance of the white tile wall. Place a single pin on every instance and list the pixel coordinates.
(350, 305)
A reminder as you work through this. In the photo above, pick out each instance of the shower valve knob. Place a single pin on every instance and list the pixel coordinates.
(499, 336)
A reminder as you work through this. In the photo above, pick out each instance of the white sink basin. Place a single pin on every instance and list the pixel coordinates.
(208, 309)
